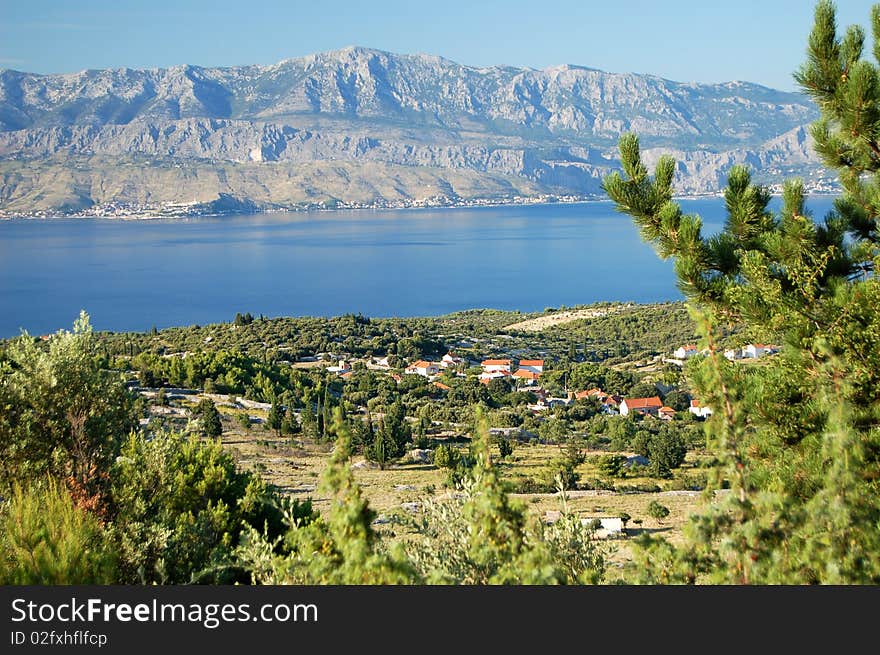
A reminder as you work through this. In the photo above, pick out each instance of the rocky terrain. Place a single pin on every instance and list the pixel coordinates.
(359, 127)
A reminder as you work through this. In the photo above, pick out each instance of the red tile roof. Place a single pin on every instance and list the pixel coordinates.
(531, 362)
(643, 403)
(495, 362)
(528, 375)
(440, 385)
(421, 364)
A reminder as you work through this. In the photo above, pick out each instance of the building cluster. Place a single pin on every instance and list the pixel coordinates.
(525, 374)
(526, 371)
(748, 351)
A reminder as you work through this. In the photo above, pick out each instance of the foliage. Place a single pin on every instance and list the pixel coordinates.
(392, 436)
(505, 448)
(45, 539)
(181, 506)
(797, 438)
(274, 418)
(611, 465)
(208, 418)
(657, 511)
(446, 456)
(666, 451)
(342, 548)
(61, 411)
(476, 535)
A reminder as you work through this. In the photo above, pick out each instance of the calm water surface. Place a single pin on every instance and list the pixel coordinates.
(132, 275)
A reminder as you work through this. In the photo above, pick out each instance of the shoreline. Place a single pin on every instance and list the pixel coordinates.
(164, 214)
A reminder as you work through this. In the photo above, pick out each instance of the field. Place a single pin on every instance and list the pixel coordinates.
(295, 467)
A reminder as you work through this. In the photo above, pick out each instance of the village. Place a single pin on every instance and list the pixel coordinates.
(525, 376)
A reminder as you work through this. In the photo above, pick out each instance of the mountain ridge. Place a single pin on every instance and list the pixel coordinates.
(546, 132)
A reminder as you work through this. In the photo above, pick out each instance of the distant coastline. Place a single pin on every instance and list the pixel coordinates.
(206, 210)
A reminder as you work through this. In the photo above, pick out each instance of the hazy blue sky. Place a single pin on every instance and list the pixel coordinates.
(756, 40)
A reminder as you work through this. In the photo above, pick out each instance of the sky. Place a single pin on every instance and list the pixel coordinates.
(760, 41)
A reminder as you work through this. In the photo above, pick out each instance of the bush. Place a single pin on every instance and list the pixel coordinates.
(636, 488)
(611, 465)
(532, 486)
(181, 506)
(46, 540)
(446, 457)
(657, 511)
(61, 412)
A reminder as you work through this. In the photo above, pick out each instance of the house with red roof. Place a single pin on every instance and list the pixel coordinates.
(527, 376)
(533, 365)
(590, 393)
(423, 368)
(496, 365)
(666, 413)
(645, 406)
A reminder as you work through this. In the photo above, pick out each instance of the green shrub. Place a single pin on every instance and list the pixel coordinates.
(181, 507)
(46, 540)
(611, 465)
(657, 511)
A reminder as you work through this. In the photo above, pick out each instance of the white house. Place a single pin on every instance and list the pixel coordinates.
(684, 352)
(423, 368)
(496, 365)
(528, 377)
(449, 360)
(644, 406)
(756, 350)
(733, 353)
(666, 413)
(699, 410)
(533, 365)
(343, 367)
(487, 376)
(753, 350)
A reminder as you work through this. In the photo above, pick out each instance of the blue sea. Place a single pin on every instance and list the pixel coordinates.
(131, 275)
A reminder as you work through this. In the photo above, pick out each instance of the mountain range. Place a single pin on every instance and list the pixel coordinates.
(362, 127)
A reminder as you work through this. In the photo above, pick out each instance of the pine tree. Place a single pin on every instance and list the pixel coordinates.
(798, 438)
(209, 418)
(274, 418)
